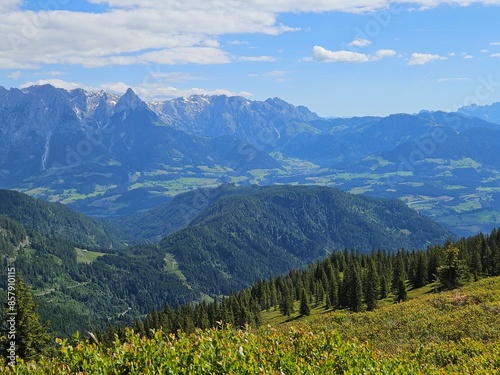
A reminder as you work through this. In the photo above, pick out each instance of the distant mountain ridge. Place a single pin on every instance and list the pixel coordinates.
(489, 112)
(263, 124)
(109, 156)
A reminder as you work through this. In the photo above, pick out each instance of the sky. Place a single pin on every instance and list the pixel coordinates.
(340, 58)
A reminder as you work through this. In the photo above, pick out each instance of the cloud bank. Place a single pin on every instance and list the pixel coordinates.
(176, 32)
(424, 58)
(324, 55)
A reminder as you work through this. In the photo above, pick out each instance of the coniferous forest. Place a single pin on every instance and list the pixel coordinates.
(348, 313)
(345, 280)
(109, 303)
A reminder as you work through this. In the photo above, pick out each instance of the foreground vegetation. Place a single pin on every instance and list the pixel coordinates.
(456, 332)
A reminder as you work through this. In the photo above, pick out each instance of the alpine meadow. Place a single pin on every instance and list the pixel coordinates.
(166, 209)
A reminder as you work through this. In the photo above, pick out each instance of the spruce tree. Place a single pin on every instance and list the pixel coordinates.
(454, 272)
(398, 270)
(31, 336)
(419, 278)
(401, 291)
(354, 288)
(333, 293)
(372, 285)
(304, 306)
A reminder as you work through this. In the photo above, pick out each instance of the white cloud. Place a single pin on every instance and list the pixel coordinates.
(147, 92)
(485, 51)
(277, 6)
(276, 73)
(467, 56)
(360, 42)
(152, 31)
(158, 76)
(381, 53)
(495, 55)
(453, 79)
(257, 58)
(59, 83)
(495, 44)
(429, 4)
(52, 73)
(9, 5)
(14, 75)
(238, 43)
(424, 58)
(324, 55)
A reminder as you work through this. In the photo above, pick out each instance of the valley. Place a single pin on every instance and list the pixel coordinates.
(111, 156)
(125, 213)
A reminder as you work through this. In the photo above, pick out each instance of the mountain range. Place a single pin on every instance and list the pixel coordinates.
(114, 156)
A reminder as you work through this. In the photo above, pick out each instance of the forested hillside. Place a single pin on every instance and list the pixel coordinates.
(239, 235)
(256, 232)
(79, 289)
(345, 280)
(330, 216)
(452, 332)
(59, 221)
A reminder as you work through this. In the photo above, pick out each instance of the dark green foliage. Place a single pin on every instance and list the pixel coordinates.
(57, 220)
(74, 296)
(371, 285)
(161, 221)
(12, 235)
(418, 272)
(304, 305)
(454, 272)
(354, 288)
(401, 293)
(238, 239)
(31, 337)
(398, 269)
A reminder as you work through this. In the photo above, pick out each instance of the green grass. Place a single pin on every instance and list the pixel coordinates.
(273, 316)
(465, 163)
(171, 266)
(85, 256)
(456, 332)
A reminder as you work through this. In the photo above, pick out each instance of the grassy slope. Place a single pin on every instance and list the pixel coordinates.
(451, 321)
(455, 332)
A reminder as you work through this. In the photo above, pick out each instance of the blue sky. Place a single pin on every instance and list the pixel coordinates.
(338, 58)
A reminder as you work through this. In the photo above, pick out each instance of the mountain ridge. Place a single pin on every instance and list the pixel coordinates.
(109, 156)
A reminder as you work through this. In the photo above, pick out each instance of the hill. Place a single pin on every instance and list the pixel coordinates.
(60, 221)
(453, 333)
(255, 232)
(79, 289)
(156, 223)
(237, 236)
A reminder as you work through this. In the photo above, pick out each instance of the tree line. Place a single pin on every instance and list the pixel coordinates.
(346, 279)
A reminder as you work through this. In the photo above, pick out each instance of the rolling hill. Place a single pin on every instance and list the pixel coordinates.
(59, 221)
(238, 235)
(255, 232)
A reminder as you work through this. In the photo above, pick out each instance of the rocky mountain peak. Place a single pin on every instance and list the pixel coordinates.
(129, 101)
